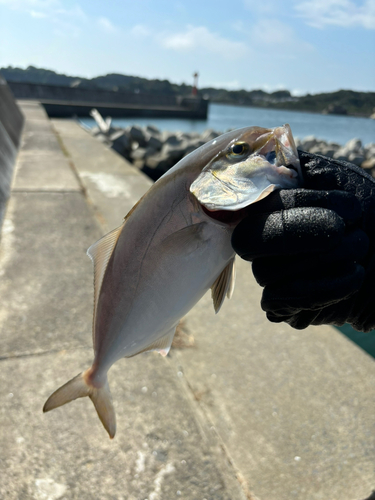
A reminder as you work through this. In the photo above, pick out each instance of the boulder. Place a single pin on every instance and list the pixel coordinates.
(175, 151)
(308, 142)
(120, 142)
(152, 130)
(369, 150)
(325, 149)
(171, 138)
(354, 145)
(193, 145)
(154, 143)
(318, 149)
(352, 151)
(142, 153)
(341, 154)
(209, 134)
(157, 164)
(356, 158)
(137, 134)
(369, 164)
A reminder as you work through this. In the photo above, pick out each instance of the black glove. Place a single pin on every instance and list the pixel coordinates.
(313, 249)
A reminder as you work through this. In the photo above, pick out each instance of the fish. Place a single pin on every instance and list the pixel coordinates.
(172, 247)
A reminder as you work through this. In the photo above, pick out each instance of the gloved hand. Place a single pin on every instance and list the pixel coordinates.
(313, 248)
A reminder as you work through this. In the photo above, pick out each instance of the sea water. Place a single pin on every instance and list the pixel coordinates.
(221, 117)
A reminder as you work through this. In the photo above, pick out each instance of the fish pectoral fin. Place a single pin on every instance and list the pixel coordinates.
(163, 344)
(186, 239)
(223, 285)
(100, 253)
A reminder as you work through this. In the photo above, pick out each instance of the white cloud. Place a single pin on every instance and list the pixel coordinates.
(140, 31)
(37, 14)
(201, 39)
(345, 13)
(74, 14)
(66, 22)
(278, 37)
(106, 25)
(263, 6)
(229, 85)
(25, 5)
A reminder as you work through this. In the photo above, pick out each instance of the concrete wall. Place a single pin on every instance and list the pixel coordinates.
(68, 101)
(11, 123)
(23, 90)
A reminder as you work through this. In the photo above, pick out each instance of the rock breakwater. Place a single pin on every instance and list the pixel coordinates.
(154, 151)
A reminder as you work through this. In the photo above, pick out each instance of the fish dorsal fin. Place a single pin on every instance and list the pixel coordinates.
(162, 345)
(100, 253)
(223, 285)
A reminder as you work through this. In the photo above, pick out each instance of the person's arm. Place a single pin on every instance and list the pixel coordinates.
(313, 249)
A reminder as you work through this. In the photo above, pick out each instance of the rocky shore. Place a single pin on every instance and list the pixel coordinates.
(154, 151)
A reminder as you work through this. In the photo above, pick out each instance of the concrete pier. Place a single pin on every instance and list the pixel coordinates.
(60, 101)
(252, 411)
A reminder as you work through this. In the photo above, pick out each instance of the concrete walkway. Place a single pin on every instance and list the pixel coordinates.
(251, 411)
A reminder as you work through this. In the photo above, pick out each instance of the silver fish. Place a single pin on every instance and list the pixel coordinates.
(172, 247)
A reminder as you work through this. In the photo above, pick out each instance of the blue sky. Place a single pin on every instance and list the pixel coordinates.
(302, 45)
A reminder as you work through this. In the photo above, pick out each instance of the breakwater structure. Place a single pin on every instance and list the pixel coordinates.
(63, 102)
(11, 124)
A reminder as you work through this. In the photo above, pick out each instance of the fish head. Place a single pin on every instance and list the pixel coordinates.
(252, 163)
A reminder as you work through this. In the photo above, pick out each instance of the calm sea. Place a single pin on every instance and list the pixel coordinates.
(221, 117)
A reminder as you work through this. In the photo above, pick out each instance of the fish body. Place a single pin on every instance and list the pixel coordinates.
(173, 246)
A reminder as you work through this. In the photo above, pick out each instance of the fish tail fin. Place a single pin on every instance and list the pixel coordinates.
(79, 387)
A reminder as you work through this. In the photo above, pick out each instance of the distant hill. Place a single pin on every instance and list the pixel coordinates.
(340, 102)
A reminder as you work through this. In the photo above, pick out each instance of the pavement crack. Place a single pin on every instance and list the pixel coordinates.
(42, 353)
(230, 472)
(45, 191)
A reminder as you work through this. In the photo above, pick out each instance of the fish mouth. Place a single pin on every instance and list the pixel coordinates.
(291, 167)
(229, 217)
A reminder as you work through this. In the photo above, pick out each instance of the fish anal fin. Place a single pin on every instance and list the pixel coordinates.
(100, 253)
(223, 285)
(162, 345)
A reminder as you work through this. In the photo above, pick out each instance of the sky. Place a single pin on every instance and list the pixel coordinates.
(305, 46)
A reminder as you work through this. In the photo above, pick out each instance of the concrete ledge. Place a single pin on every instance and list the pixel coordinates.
(10, 114)
(11, 122)
(112, 184)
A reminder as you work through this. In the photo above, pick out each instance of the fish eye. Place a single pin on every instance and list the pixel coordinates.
(238, 149)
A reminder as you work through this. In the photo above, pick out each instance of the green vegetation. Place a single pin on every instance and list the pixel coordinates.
(340, 102)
